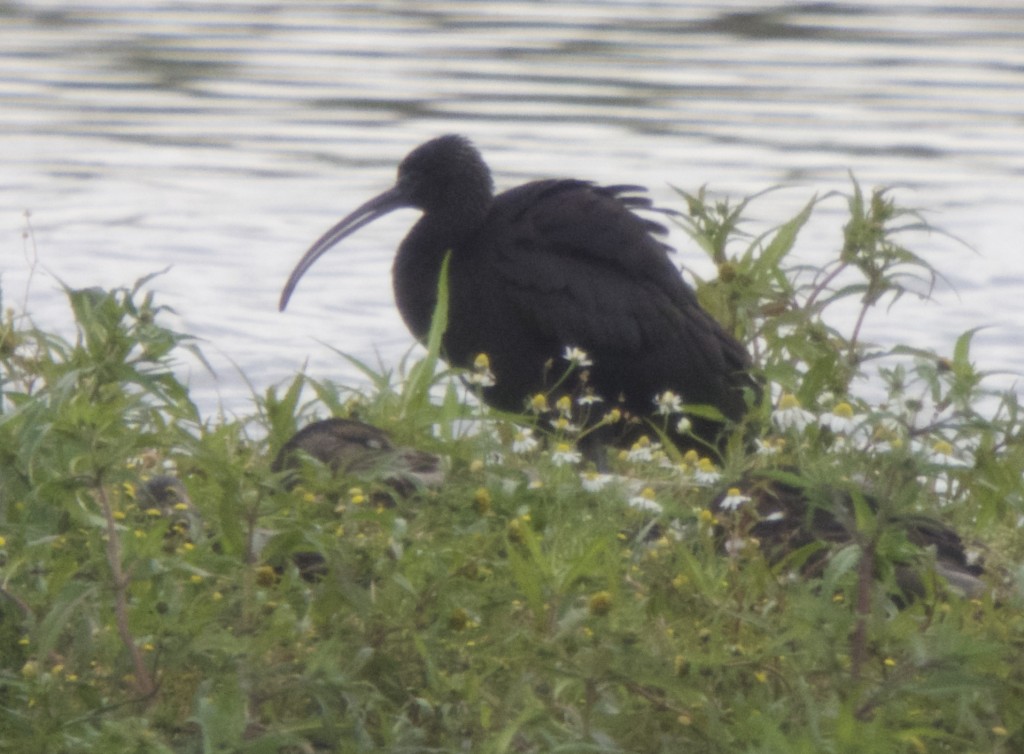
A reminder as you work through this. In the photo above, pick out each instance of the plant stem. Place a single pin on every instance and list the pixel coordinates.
(143, 679)
(859, 637)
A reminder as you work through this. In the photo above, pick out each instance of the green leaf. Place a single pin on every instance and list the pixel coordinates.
(416, 392)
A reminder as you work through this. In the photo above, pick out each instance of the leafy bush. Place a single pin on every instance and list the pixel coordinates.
(531, 604)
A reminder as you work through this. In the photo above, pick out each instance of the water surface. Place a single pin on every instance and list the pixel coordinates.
(222, 138)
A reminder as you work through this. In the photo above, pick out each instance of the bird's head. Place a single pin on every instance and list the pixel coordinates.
(445, 177)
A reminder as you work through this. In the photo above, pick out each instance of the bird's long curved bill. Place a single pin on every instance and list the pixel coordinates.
(379, 206)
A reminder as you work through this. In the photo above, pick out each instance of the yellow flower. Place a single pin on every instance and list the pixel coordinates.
(515, 531)
(482, 374)
(706, 472)
(459, 619)
(600, 603)
(482, 500)
(265, 576)
(843, 409)
(787, 401)
(564, 425)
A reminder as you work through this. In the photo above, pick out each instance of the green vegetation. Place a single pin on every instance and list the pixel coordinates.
(525, 606)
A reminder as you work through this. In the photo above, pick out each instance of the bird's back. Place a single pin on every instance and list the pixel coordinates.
(566, 263)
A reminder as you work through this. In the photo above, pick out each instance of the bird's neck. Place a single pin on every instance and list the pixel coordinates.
(417, 268)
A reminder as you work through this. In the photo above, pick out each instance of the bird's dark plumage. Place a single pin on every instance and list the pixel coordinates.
(353, 448)
(784, 518)
(546, 266)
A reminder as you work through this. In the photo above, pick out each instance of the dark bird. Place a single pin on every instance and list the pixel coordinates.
(543, 267)
(353, 448)
(348, 447)
(784, 519)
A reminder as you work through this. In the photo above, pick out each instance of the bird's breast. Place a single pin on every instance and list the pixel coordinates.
(416, 274)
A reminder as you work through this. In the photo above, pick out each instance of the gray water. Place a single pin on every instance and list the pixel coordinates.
(222, 138)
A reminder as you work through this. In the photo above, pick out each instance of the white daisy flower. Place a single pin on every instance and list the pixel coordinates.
(733, 499)
(645, 501)
(524, 441)
(841, 419)
(706, 472)
(789, 414)
(643, 450)
(565, 454)
(576, 356)
(668, 403)
(593, 481)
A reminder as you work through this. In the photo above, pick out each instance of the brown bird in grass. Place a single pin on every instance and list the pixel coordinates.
(784, 518)
(353, 448)
(350, 448)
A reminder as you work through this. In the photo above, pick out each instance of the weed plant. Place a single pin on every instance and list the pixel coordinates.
(531, 604)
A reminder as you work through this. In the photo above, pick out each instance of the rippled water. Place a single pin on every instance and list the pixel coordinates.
(222, 138)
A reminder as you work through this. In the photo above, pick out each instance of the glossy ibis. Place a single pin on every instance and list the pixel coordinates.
(544, 267)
